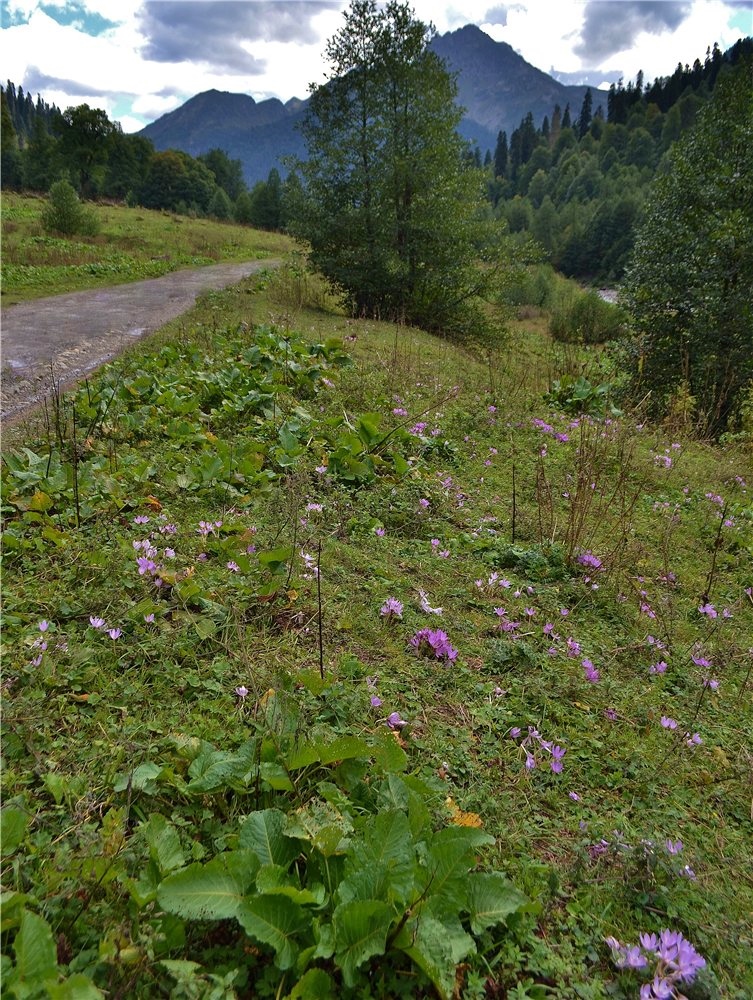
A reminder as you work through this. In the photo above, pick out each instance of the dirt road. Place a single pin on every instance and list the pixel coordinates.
(76, 333)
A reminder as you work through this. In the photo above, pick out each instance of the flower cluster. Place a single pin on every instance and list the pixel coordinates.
(534, 740)
(433, 642)
(673, 957)
(392, 608)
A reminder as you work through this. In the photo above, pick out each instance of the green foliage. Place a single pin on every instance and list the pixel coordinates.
(389, 208)
(578, 395)
(65, 214)
(689, 284)
(586, 318)
(374, 880)
(212, 804)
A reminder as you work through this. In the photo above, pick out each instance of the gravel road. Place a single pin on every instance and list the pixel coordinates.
(68, 336)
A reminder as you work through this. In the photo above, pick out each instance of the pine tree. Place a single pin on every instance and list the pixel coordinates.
(584, 119)
(500, 155)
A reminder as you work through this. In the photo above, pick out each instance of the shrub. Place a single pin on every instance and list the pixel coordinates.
(65, 214)
(586, 319)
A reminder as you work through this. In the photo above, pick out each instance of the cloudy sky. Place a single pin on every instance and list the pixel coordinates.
(138, 59)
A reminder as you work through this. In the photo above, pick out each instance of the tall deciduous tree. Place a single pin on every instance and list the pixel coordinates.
(390, 209)
(689, 286)
(84, 142)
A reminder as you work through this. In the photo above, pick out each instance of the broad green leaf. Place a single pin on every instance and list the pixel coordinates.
(36, 955)
(40, 501)
(262, 832)
(215, 770)
(361, 929)
(344, 748)
(164, 844)
(273, 880)
(276, 776)
(425, 942)
(382, 864)
(11, 908)
(276, 921)
(274, 558)
(388, 753)
(13, 823)
(139, 780)
(213, 891)
(315, 984)
(78, 987)
(450, 858)
(491, 899)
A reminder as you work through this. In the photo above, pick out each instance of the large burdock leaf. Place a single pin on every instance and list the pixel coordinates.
(274, 920)
(360, 932)
(213, 891)
(427, 943)
(382, 865)
(451, 856)
(262, 833)
(491, 899)
(36, 955)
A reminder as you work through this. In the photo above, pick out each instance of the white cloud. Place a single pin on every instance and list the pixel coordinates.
(111, 64)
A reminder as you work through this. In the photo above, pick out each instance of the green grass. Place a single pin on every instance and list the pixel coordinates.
(182, 431)
(132, 244)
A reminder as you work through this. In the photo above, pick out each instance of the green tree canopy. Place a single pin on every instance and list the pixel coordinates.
(689, 285)
(390, 209)
(84, 142)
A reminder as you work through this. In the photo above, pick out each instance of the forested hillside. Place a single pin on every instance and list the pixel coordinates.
(577, 184)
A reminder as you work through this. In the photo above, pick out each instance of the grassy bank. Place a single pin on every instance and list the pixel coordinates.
(132, 244)
(238, 756)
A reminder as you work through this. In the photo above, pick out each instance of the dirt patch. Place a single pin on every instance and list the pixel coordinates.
(67, 336)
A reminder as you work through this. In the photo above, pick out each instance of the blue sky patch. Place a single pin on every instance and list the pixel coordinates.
(77, 15)
(9, 18)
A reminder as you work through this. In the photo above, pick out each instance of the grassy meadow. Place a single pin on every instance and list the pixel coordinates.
(132, 244)
(340, 660)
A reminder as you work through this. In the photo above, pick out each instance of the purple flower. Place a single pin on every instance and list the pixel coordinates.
(611, 714)
(400, 411)
(114, 633)
(589, 559)
(394, 721)
(44, 625)
(433, 642)
(694, 740)
(149, 618)
(557, 754)
(673, 846)
(233, 566)
(701, 661)
(379, 532)
(657, 668)
(574, 796)
(515, 732)
(668, 723)
(392, 608)
(707, 609)
(376, 701)
(96, 622)
(592, 674)
(145, 565)
(423, 502)
(241, 691)
(141, 519)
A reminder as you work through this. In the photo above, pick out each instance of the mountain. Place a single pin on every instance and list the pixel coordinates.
(496, 86)
(258, 134)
